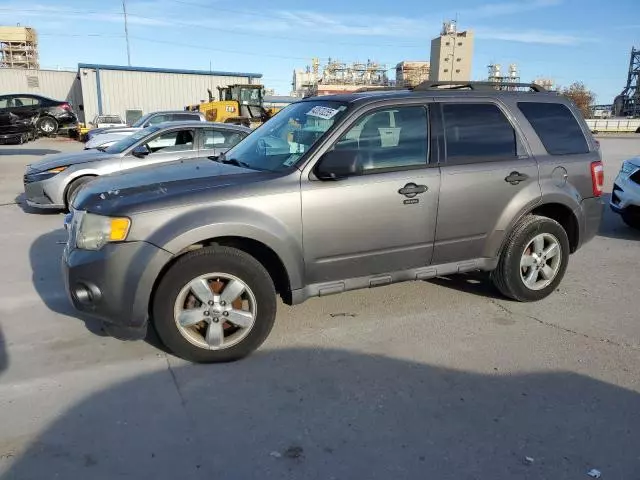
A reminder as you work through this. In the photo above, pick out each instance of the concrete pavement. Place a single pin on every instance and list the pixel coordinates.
(441, 379)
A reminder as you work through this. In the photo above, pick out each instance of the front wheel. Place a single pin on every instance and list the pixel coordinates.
(216, 304)
(534, 260)
(631, 219)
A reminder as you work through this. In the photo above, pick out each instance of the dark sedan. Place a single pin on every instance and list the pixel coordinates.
(51, 114)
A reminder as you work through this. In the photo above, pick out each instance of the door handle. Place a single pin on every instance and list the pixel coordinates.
(514, 178)
(410, 190)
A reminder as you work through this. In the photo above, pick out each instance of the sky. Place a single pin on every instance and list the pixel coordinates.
(566, 40)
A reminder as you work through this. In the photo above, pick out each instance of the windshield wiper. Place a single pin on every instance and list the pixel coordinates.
(102, 148)
(231, 161)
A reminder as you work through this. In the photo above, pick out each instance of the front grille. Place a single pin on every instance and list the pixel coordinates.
(635, 177)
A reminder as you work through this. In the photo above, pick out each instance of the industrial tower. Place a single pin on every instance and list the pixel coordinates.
(627, 104)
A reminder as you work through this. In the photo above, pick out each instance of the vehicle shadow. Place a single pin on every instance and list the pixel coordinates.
(4, 356)
(476, 283)
(612, 225)
(22, 203)
(320, 414)
(45, 255)
(27, 151)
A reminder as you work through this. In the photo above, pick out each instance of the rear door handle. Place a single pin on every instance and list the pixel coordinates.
(410, 190)
(514, 178)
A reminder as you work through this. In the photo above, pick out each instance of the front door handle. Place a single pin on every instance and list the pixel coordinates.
(514, 178)
(410, 190)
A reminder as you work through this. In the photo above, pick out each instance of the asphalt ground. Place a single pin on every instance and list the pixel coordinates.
(442, 379)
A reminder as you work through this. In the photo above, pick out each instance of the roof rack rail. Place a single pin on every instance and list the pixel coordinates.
(376, 89)
(461, 85)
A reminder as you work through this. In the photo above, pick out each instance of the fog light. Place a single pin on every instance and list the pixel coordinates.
(86, 294)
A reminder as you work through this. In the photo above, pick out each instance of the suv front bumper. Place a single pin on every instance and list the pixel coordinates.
(626, 193)
(115, 283)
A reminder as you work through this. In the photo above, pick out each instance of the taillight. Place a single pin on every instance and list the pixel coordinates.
(597, 178)
(66, 106)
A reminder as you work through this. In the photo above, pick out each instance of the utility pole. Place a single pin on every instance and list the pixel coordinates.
(126, 31)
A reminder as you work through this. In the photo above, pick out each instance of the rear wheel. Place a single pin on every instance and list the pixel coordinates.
(48, 125)
(534, 259)
(216, 304)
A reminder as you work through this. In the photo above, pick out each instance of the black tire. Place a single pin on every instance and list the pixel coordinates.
(48, 125)
(201, 262)
(73, 188)
(632, 220)
(507, 275)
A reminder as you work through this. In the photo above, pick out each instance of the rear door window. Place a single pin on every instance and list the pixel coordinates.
(218, 138)
(478, 132)
(556, 126)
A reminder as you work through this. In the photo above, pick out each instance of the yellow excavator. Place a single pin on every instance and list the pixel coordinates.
(239, 104)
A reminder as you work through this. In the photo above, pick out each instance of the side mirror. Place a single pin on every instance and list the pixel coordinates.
(337, 164)
(140, 151)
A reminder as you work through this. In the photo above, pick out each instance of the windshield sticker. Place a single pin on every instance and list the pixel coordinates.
(291, 160)
(322, 112)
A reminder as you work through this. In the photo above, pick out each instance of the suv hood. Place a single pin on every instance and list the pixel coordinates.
(156, 187)
(67, 159)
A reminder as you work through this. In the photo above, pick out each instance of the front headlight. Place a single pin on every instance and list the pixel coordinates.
(628, 168)
(46, 174)
(95, 231)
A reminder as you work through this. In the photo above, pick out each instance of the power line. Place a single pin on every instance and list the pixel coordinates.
(98, 35)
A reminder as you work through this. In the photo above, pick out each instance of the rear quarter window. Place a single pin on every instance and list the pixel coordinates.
(556, 126)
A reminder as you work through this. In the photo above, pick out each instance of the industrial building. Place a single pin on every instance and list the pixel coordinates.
(451, 54)
(503, 79)
(128, 91)
(338, 77)
(18, 48)
(409, 74)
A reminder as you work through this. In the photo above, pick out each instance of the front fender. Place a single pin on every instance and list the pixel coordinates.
(281, 233)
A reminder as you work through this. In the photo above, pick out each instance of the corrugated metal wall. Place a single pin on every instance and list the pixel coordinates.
(122, 90)
(59, 85)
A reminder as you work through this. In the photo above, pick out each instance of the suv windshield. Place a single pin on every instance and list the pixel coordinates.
(283, 140)
(121, 145)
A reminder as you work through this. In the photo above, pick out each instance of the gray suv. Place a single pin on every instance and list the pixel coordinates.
(334, 194)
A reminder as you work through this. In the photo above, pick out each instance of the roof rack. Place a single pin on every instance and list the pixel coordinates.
(505, 86)
(376, 89)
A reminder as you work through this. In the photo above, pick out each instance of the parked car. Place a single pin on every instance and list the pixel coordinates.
(330, 196)
(625, 197)
(14, 129)
(99, 121)
(103, 137)
(52, 114)
(52, 181)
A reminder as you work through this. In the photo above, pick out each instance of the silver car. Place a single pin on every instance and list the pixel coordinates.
(52, 182)
(107, 136)
(625, 198)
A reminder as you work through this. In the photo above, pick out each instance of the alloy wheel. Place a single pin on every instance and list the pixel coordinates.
(215, 311)
(540, 261)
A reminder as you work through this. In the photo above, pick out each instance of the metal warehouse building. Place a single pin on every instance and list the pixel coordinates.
(129, 91)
